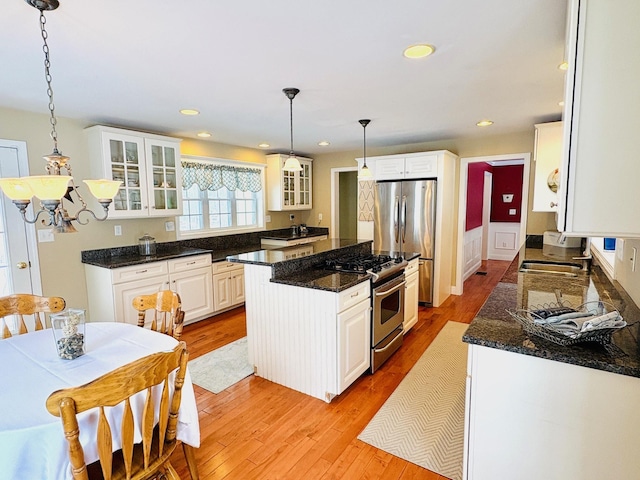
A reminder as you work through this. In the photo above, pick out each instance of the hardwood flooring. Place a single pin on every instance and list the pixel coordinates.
(257, 429)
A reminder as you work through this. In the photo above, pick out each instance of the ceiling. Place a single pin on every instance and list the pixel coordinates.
(137, 63)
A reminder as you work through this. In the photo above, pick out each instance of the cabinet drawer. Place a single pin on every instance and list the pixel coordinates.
(220, 267)
(189, 263)
(138, 272)
(412, 267)
(353, 295)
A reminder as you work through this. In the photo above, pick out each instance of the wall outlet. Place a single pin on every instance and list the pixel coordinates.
(45, 235)
(512, 211)
(117, 230)
(319, 217)
(291, 217)
(267, 218)
(169, 226)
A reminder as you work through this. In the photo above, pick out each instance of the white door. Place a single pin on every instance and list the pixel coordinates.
(19, 267)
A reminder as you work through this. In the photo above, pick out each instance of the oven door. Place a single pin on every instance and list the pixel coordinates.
(388, 308)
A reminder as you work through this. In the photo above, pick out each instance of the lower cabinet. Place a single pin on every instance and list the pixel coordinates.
(354, 344)
(228, 285)
(411, 295)
(315, 341)
(111, 291)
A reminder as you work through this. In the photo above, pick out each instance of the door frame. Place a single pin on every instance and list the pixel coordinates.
(335, 198)
(30, 229)
(499, 160)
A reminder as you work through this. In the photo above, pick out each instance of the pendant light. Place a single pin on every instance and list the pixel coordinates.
(364, 171)
(51, 189)
(292, 164)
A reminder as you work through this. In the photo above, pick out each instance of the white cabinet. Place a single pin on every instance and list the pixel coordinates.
(111, 291)
(354, 344)
(531, 418)
(547, 156)
(148, 166)
(599, 174)
(413, 165)
(288, 190)
(314, 341)
(228, 285)
(282, 242)
(411, 295)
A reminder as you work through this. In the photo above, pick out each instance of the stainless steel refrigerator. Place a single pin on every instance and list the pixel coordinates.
(404, 216)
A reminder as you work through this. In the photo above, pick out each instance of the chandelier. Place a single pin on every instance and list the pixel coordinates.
(291, 164)
(52, 189)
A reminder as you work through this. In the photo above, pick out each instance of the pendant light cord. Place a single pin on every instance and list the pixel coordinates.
(291, 124)
(47, 76)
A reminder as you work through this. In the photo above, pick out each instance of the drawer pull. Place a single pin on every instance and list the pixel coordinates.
(191, 263)
(142, 271)
(353, 295)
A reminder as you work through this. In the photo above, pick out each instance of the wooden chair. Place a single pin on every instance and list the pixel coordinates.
(21, 304)
(168, 316)
(133, 461)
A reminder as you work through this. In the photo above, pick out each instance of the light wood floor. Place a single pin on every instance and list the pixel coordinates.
(257, 429)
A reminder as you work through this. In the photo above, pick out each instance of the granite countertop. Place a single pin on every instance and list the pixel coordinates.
(131, 257)
(294, 237)
(495, 328)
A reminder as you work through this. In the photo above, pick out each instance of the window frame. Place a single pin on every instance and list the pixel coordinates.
(261, 204)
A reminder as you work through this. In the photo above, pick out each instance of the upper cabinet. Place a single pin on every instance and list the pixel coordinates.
(548, 155)
(288, 190)
(148, 166)
(397, 167)
(600, 169)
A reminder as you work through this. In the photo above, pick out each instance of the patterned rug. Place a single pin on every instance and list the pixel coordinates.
(423, 419)
(221, 368)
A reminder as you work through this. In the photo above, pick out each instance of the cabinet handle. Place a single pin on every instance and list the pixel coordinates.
(553, 204)
(191, 263)
(141, 271)
(353, 295)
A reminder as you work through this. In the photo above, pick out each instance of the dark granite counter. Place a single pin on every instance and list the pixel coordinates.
(493, 327)
(303, 265)
(129, 256)
(289, 236)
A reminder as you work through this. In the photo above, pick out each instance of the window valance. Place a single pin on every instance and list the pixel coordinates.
(210, 176)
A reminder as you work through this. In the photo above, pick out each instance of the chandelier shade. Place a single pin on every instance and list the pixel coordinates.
(53, 188)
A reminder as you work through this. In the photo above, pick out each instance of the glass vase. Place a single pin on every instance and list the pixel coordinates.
(68, 332)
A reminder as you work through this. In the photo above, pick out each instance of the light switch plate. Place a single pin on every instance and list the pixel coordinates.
(169, 226)
(117, 230)
(45, 235)
(512, 211)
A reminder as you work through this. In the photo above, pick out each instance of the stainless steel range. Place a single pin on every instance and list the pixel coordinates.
(387, 300)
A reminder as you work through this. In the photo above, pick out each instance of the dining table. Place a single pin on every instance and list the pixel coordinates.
(32, 442)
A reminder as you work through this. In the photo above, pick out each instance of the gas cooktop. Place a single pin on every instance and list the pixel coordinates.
(378, 266)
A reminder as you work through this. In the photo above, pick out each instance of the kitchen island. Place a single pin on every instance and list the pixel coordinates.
(535, 409)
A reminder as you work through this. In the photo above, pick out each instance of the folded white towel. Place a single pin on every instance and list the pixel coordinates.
(567, 318)
(573, 327)
(609, 320)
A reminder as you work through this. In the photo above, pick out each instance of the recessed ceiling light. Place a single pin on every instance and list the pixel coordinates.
(419, 51)
(484, 123)
(203, 134)
(563, 66)
(324, 143)
(264, 145)
(189, 111)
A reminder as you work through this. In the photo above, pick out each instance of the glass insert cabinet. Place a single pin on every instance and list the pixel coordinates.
(288, 190)
(148, 166)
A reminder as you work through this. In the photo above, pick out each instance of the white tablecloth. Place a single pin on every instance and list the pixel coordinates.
(32, 443)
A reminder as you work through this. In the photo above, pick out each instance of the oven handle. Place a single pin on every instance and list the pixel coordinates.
(390, 344)
(393, 288)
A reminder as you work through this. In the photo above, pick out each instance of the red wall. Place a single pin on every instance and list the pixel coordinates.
(475, 185)
(506, 179)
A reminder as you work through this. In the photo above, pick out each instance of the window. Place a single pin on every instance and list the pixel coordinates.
(220, 197)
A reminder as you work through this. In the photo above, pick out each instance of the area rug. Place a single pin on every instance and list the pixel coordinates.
(221, 368)
(423, 419)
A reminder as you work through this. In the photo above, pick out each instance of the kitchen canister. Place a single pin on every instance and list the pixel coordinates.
(147, 245)
(68, 333)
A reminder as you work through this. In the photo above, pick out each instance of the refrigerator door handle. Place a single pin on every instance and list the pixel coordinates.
(396, 215)
(403, 218)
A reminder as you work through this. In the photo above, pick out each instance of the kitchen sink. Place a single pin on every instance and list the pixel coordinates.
(565, 269)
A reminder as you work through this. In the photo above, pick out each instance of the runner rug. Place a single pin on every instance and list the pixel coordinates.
(219, 369)
(423, 419)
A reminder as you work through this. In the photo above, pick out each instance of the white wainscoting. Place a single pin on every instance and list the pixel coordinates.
(504, 240)
(472, 252)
